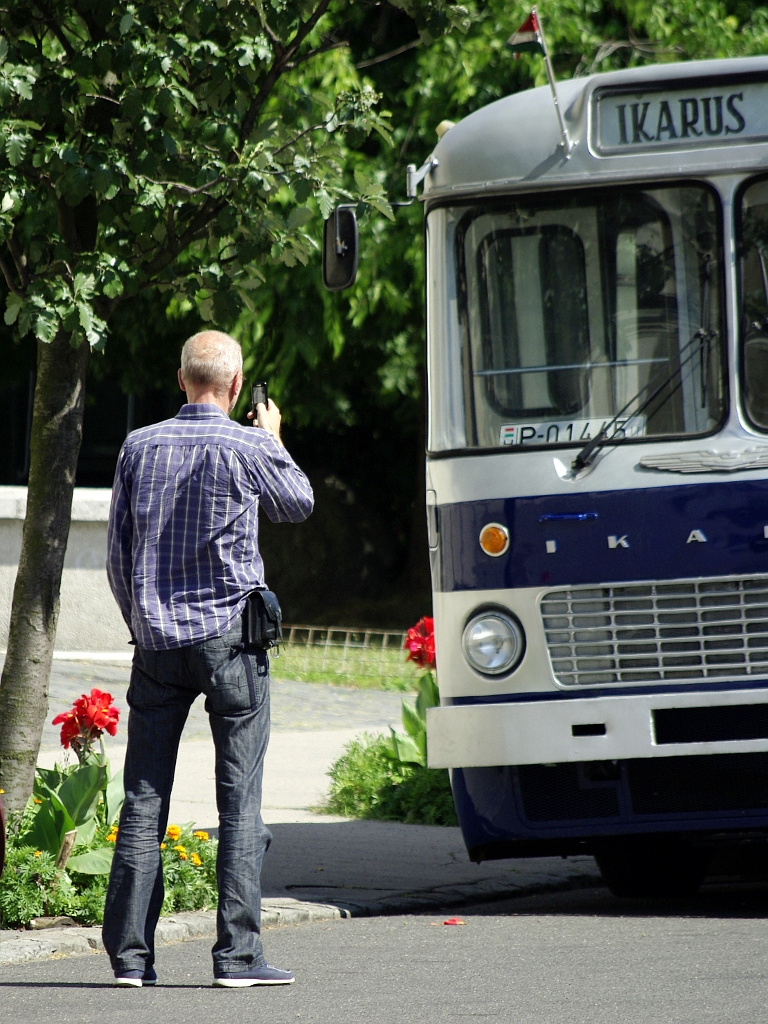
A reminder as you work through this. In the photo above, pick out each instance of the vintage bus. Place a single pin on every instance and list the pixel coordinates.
(597, 468)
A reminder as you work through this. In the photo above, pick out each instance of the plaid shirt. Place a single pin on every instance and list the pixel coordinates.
(182, 544)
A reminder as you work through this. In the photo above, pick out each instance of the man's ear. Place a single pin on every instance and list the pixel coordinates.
(181, 380)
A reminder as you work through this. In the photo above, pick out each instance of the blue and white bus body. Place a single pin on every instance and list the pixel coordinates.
(615, 682)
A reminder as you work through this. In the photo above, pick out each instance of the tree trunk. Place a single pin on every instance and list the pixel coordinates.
(57, 423)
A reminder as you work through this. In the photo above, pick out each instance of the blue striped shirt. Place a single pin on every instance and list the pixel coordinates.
(182, 545)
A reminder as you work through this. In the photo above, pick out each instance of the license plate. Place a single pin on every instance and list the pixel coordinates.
(570, 431)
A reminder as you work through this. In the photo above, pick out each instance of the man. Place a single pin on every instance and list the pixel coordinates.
(182, 558)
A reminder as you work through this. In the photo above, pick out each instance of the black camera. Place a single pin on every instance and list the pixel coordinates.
(259, 393)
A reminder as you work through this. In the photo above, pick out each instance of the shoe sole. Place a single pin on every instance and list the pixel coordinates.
(129, 982)
(247, 982)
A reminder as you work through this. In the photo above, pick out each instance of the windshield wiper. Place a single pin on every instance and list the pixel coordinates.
(699, 343)
(704, 337)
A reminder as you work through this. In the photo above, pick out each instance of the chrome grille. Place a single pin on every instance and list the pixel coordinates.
(647, 632)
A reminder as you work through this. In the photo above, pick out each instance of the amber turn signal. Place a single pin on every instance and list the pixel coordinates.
(494, 539)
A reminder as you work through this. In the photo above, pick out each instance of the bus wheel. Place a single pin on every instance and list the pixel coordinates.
(657, 865)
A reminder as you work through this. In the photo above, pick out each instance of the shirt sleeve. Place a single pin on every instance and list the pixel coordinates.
(120, 543)
(285, 492)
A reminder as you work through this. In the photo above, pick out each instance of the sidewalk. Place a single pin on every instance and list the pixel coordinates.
(318, 867)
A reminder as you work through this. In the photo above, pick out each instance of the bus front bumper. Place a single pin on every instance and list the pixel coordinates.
(610, 728)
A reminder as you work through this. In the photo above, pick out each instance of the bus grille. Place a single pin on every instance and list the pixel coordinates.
(658, 631)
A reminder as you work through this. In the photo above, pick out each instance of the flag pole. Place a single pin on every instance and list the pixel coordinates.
(565, 142)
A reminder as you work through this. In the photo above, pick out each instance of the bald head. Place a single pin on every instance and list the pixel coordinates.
(210, 360)
(212, 369)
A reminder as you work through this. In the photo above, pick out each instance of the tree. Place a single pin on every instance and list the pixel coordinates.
(185, 150)
(178, 147)
(359, 376)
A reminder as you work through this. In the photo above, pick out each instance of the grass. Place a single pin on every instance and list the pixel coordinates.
(355, 664)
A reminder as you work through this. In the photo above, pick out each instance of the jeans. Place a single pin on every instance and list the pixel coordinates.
(163, 686)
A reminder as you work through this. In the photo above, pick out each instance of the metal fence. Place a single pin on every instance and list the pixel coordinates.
(335, 654)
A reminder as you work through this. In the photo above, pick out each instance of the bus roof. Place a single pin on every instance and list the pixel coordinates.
(666, 119)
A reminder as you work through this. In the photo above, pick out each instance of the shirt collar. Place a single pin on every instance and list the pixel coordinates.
(200, 411)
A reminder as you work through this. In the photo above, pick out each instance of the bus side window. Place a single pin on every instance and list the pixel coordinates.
(566, 325)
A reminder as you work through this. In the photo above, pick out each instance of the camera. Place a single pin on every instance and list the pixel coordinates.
(259, 393)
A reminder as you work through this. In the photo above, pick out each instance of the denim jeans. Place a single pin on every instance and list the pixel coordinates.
(163, 686)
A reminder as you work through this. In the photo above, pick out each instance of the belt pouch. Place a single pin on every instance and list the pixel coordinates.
(264, 620)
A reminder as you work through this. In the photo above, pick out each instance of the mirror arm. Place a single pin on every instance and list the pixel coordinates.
(414, 178)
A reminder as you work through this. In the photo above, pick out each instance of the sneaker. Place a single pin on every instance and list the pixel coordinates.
(265, 975)
(136, 979)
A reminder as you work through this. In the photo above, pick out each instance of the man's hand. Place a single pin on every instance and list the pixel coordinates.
(268, 418)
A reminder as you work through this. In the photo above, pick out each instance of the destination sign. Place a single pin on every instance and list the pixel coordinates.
(702, 116)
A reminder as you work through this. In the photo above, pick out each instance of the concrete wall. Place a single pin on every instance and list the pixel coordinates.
(89, 619)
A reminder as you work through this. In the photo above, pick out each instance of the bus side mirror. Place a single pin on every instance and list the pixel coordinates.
(340, 249)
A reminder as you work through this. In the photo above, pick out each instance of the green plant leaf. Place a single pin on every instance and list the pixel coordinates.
(86, 832)
(92, 862)
(47, 831)
(428, 695)
(414, 722)
(80, 792)
(49, 779)
(115, 795)
(408, 749)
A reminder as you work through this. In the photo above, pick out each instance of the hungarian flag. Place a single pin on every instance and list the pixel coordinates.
(527, 39)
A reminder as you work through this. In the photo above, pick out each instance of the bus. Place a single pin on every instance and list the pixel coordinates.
(597, 466)
(597, 469)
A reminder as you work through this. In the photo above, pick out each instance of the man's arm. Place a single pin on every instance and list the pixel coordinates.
(285, 493)
(120, 544)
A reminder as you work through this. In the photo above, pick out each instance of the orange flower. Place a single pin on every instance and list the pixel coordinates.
(173, 832)
(196, 860)
(202, 836)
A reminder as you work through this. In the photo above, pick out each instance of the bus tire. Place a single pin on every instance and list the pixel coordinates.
(654, 865)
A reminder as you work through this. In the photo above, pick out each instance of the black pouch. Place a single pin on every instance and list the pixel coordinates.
(263, 620)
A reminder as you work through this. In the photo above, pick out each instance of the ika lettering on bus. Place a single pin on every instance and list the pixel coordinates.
(650, 121)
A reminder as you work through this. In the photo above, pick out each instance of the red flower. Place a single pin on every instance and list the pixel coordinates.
(420, 643)
(90, 716)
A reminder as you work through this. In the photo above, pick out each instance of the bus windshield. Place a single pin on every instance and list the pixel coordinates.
(592, 311)
(754, 291)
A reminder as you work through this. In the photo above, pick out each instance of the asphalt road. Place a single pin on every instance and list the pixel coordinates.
(571, 958)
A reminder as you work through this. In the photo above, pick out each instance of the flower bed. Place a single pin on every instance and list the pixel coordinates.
(59, 851)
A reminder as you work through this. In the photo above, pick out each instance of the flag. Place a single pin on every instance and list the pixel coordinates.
(528, 38)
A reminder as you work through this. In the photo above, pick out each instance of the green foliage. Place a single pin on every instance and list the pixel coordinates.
(366, 782)
(32, 886)
(82, 797)
(166, 145)
(189, 872)
(412, 748)
(387, 777)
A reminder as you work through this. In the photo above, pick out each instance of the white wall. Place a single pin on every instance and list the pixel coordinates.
(89, 619)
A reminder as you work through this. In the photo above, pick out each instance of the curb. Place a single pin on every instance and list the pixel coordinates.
(17, 947)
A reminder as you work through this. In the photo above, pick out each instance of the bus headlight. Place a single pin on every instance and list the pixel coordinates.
(493, 642)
